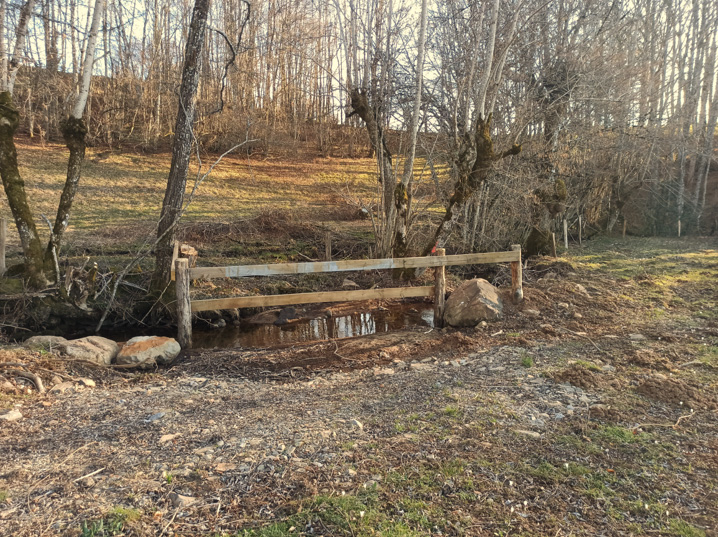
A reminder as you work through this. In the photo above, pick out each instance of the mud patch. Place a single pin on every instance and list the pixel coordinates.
(678, 392)
(650, 360)
(581, 376)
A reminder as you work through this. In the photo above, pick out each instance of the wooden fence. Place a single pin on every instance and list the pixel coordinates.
(184, 275)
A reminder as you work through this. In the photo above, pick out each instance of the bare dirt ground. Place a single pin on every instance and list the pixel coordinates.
(590, 410)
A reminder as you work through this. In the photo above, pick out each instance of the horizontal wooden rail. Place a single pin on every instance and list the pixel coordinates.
(310, 298)
(185, 306)
(277, 269)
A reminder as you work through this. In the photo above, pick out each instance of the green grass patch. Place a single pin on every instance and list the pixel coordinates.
(684, 529)
(113, 524)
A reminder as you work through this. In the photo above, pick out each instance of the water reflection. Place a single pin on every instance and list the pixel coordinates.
(322, 328)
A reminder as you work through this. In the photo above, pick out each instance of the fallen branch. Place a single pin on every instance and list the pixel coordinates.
(672, 426)
(32, 377)
(88, 475)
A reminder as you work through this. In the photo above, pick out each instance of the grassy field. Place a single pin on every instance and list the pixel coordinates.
(285, 203)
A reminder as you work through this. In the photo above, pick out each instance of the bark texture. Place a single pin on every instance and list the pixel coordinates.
(479, 146)
(15, 191)
(181, 147)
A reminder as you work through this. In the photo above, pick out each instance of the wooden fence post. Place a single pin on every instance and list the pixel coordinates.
(553, 244)
(580, 231)
(184, 307)
(565, 233)
(328, 246)
(3, 240)
(517, 289)
(439, 291)
(625, 223)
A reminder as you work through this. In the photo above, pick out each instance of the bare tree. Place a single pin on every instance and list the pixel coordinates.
(181, 146)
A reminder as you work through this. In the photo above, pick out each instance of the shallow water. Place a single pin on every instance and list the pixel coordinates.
(318, 329)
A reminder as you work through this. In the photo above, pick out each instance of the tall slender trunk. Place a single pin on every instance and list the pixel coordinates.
(402, 191)
(181, 147)
(74, 131)
(21, 34)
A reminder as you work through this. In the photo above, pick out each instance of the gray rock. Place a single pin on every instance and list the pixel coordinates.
(147, 351)
(48, 343)
(96, 349)
(178, 500)
(532, 313)
(637, 337)
(62, 387)
(474, 301)
(12, 415)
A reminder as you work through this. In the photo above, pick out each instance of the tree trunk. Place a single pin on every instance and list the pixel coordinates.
(74, 132)
(402, 192)
(21, 34)
(15, 191)
(181, 147)
(469, 183)
(387, 177)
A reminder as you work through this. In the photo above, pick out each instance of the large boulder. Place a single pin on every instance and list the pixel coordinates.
(95, 349)
(148, 351)
(474, 301)
(46, 343)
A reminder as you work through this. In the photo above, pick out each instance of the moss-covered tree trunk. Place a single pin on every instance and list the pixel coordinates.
(387, 177)
(74, 131)
(469, 181)
(16, 196)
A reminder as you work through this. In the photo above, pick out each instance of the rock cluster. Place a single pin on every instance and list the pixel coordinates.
(143, 352)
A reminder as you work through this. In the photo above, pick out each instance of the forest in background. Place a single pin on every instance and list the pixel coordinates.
(605, 110)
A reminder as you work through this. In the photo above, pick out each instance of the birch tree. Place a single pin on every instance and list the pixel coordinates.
(39, 265)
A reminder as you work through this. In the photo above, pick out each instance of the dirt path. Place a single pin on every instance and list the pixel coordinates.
(595, 417)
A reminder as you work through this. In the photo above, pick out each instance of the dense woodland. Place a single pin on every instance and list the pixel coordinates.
(512, 114)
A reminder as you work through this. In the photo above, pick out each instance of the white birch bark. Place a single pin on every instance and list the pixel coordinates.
(20, 35)
(89, 61)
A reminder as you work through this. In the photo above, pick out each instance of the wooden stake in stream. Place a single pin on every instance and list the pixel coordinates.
(3, 240)
(517, 289)
(565, 234)
(439, 291)
(184, 307)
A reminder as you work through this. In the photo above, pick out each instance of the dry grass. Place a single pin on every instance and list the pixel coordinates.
(121, 194)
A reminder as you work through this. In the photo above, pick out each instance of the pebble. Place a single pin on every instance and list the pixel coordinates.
(88, 383)
(168, 437)
(12, 415)
(533, 313)
(530, 434)
(155, 417)
(61, 388)
(637, 337)
(357, 423)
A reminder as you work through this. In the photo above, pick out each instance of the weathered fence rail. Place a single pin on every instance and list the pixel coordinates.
(184, 275)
